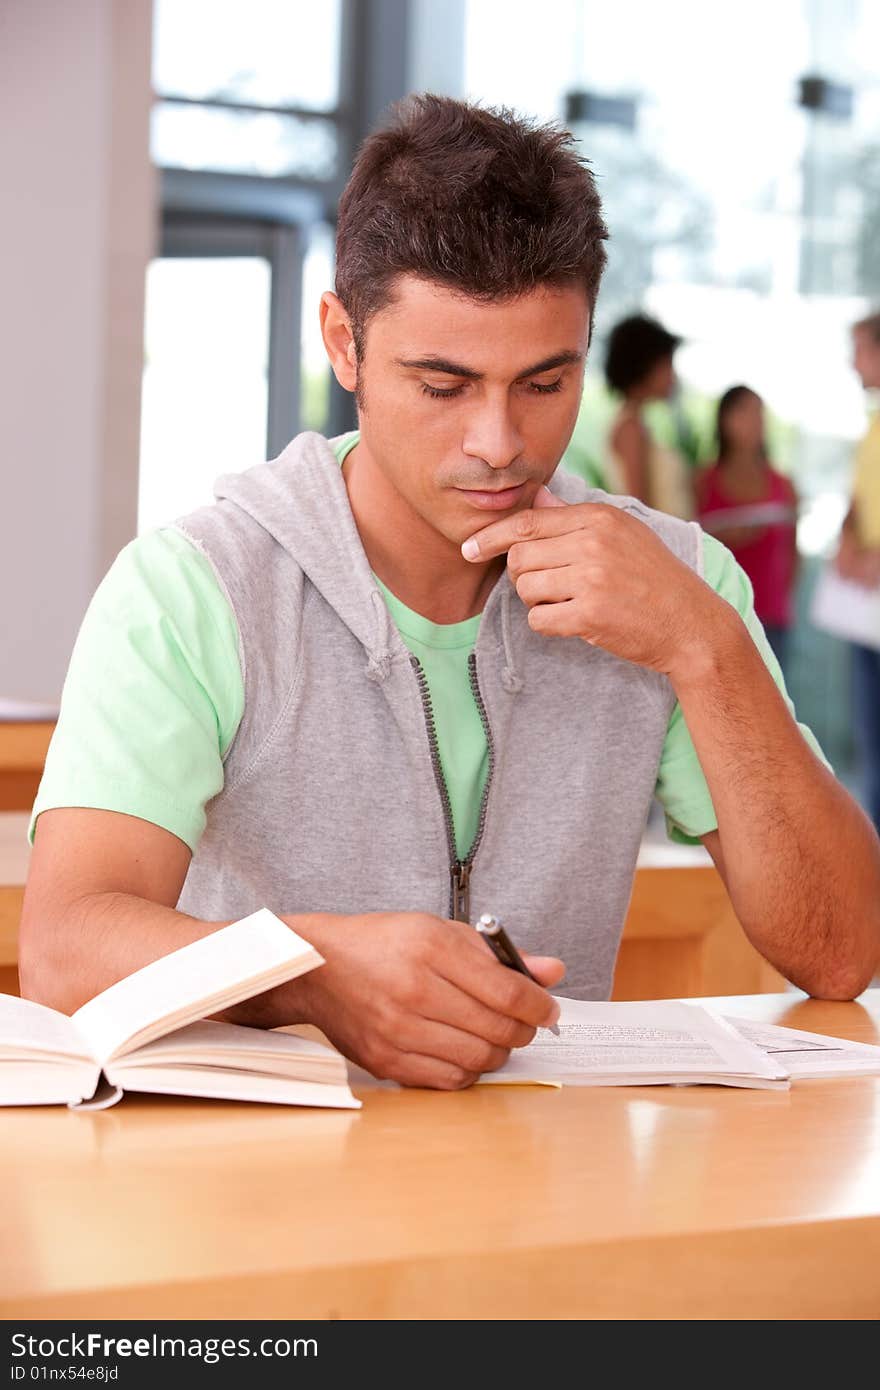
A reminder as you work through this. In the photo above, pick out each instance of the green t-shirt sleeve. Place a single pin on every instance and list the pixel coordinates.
(681, 786)
(153, 695)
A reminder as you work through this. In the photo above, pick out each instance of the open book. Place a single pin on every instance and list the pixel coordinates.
(141, 1034)
(667, 1041)
(640, 1044)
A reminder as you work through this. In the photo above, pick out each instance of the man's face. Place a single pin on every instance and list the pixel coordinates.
(466, 408)
(866, 358)
(659, 384)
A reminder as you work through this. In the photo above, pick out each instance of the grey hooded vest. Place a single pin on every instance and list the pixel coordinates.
(333, 799)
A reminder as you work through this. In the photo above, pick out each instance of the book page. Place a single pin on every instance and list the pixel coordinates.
(234, 1047)
(47, 1082)
(656, 1040)
(215, 1083)
(810, 1054)
(32, 1030)
(221, 969)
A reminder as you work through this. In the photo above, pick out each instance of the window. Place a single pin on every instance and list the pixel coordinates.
(746, 222)
(205, 379)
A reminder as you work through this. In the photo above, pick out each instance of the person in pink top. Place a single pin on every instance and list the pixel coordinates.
(752, 509)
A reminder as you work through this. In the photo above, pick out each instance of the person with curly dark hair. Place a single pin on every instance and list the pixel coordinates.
(639, 369)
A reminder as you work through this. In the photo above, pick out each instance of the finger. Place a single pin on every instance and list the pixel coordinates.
(550, 970)
(557, 619)
(531, 524)
(414, 1069)
(545, 498)
(546, 586)
(551, 552)
(501, 989)
(448, 1044)
(446, 1003)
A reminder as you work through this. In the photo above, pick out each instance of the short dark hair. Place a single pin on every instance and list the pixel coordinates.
(635, 345)
(870, 325)
(474, 198)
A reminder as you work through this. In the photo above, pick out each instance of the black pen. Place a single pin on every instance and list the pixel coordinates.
(496, 938)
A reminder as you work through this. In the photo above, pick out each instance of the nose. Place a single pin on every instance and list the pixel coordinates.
(491, 434)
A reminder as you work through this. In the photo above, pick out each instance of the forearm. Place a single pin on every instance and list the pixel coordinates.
(102, 937)
(72, 951)
(801, 860)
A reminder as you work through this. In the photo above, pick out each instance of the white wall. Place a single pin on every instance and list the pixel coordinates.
(77, 229)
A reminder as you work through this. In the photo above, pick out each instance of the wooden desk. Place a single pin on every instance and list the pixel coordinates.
(14, 856)
(23, 748)
(681, 935)
(629, 1202)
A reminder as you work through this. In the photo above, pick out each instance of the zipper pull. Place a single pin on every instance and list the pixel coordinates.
(461, 892)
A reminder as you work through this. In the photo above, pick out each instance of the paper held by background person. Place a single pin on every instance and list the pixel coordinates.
(142, 1033)
(846, 609)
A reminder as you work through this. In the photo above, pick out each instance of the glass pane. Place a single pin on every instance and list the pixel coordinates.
(242, 142)
(267, 52)
(205, 380)
(317, 277)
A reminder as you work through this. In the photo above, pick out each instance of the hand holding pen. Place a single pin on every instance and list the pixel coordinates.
(496, 938)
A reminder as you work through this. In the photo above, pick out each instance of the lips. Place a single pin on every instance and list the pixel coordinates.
(493, 500)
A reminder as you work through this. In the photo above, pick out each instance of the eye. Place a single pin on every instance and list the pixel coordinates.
(441, 395)
(548, 389)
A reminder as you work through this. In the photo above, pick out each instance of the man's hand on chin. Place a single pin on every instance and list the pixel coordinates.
(594, 571)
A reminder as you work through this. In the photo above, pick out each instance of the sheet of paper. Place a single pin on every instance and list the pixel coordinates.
(231, 964)
(809, 1054)
(656, 1041)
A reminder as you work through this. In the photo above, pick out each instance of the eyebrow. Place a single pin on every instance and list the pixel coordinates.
(440, 364)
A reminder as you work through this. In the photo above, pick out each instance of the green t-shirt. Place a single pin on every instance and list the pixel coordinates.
(154, 696)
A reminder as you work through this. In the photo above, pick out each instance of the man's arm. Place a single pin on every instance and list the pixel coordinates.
(410, 997)
(855, 561)
(99, 904)
(801, 860)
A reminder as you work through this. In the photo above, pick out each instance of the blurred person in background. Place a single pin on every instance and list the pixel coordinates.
(858, 559)
(639, 368)
(752, 509)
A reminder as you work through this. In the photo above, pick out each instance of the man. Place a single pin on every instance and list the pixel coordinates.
(397, 679)
(859, 560)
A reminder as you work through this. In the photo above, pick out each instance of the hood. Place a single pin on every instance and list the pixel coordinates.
(300, 499)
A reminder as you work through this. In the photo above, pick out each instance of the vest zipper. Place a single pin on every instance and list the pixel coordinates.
(459, 869)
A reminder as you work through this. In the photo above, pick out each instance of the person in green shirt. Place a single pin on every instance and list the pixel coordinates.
(469, 254)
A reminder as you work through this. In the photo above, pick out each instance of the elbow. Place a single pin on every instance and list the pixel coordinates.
(39, 981)
(838, 992)
(848, 960)
(844, 983)
(43, 976)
